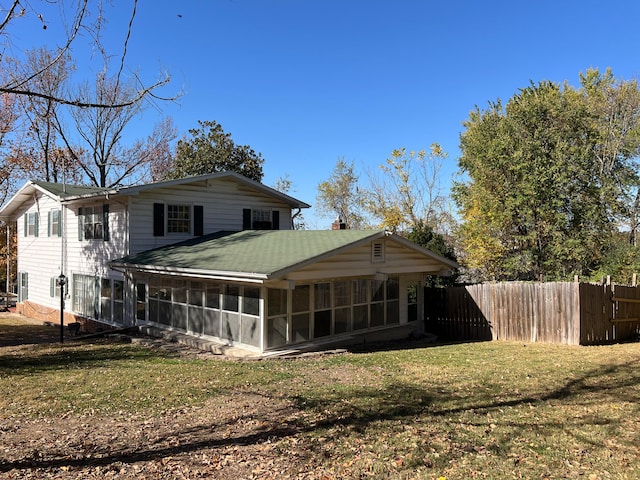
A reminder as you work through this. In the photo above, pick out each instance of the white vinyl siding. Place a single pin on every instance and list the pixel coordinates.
(39, 257)
(222, 203)
(398, 259)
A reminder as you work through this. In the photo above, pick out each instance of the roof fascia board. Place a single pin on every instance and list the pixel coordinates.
(135, 190)
(188, 272)
(27, 191)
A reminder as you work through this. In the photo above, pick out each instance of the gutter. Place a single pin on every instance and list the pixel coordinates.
(209, 274)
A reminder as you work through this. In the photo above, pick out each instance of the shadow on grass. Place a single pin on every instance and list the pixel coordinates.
(359, 409)
(28, 334)
(43, 358)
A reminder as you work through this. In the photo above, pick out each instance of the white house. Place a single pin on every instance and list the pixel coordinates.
(213, 256)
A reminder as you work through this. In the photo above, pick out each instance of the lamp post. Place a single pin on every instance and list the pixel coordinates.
(62, 281)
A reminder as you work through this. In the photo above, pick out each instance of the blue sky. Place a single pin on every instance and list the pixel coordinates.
(306, 82)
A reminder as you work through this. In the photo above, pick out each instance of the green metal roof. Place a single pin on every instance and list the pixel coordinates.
(251, 252)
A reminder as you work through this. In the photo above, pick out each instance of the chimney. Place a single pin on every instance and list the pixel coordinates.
(338, 224)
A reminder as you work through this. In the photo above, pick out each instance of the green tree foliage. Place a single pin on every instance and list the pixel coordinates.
(211, 150)
(340, 196)
(424, 235)
(548, 178)
(408, 191)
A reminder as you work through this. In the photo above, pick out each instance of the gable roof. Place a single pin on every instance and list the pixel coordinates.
(70, 193)
(256, 254)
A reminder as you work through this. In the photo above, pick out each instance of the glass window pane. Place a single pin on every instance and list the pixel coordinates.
(180, 291)
(277, 300)
(377, 314)
(276, 332)
(141, 300)
(213, 295)
(300, 328)
(393, 312)
(393, 289)
(377, 290)
(105, 299)
(322, 296)
(230, 298)
(342, 293)
(322, 324)
(300, 298)
(360, 317)
(360, 291)
(195, 294)
(251, 301)
(342, 320)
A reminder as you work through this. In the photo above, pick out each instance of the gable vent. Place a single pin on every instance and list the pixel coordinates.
(377, 252)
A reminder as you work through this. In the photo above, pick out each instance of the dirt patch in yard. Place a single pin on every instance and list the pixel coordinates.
(239, 435)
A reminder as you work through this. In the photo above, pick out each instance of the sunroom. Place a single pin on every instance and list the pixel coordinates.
(266, 290)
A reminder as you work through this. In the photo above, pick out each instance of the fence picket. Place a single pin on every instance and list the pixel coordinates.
(574, 313)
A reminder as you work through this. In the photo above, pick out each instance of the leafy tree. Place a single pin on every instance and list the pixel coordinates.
(408, 191)
(425, 236)
(540, 200)
(211, 150)
(340, 196)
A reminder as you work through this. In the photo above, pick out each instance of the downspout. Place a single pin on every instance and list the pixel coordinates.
(8, 266)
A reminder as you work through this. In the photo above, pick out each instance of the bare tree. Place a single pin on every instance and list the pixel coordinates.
(43, 12)
(104, 158)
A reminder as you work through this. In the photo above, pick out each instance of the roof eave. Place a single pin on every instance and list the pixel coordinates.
(192, 272)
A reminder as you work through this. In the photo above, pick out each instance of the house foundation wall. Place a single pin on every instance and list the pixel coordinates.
(52, 315)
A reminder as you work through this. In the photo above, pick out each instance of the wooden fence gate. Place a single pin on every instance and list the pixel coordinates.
(573, 313)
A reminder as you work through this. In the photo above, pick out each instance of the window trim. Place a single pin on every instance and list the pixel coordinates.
(28, 216)
(95, 213)
(177, 220)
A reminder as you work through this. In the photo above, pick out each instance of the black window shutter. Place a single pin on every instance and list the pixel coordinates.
(158, 219)
(198, 220)
(48, 224)
(275, 220)
(26, 224)
(246, 218)
(80, 224)
(105, 222)
(37, 223)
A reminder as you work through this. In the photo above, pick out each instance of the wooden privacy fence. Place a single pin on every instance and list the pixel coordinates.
(572, 313)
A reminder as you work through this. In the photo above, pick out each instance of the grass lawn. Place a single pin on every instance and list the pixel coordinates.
(483, 410)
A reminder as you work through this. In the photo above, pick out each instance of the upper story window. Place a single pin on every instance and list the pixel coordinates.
(31, 221)
(178, 218)
(93, 222)
(260, 219)
(55, 223)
